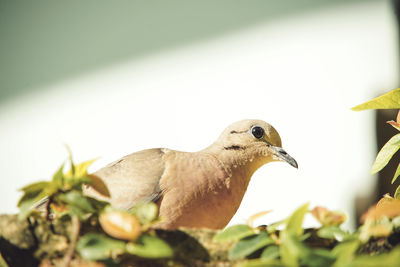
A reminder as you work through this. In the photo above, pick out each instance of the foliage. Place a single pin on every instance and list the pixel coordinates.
(95, 233)
(121, 232)
(296, 246)
(390, 100)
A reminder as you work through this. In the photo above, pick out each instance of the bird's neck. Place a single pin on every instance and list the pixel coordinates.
(237, 162)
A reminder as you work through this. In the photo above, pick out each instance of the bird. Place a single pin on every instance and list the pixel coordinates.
(200, 189)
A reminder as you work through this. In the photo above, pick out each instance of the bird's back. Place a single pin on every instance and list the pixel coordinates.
(130, 180)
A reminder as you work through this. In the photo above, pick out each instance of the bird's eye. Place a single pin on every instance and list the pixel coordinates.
(257, 132)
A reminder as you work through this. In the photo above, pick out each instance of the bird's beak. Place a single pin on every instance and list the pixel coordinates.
(283, 155)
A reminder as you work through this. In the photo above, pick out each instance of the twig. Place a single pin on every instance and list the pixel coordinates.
(75, 223)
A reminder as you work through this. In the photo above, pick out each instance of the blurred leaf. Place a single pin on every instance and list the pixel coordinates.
(395, 124)
(98, 205)
(396, 175)
(33, 194)
(375, 228)
(317, 257)
(390, 100)
(273, 227)
(3, 263)
(386, 207)
(327, 217)
(291, 249)
(26, 207)
(332, 232)
(75, 198)
(396, 222)
(145, 212)
(70, 159)
(80, 170)
(261, 263)
(345, 252)
(58, 177)
(254, 217)
(386, 153)
(295, 221)
(234, 233)
(76, 182)
(397, 193)
(99, 247)
(390, 259)
(149, 246)
(249, 245)
(271, 252)
(35, 187)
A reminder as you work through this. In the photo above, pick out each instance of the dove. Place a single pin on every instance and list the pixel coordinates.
(200, 189)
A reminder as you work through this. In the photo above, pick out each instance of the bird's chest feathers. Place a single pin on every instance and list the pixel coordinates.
(205, 189)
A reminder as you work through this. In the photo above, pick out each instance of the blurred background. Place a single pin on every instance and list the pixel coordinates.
(109, 79)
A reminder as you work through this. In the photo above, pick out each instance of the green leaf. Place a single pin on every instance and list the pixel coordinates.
(99, 247)
(295, 221)
(390, 259)
(234, 233)
(386, 153)
(76, 198)
(344, 252)
(396, 174)
(145, 212)
(35, 187)
(70, 159)
(291, 249)
(331, 232)
(317, 257)
(148, 246)
(58, 177)
(98, 205)
(273, 227)
(390, 100)
(271, 252)
(33, 193)
(25, 208)
(249, 245)
(261, 263)
(80, 170)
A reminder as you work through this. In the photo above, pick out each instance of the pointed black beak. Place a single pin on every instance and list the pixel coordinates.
(282, 154)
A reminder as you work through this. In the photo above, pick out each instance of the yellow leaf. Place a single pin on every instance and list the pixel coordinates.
(80, 169)
(396, 174)
(398, 117)
(256, 216)
(390, 100)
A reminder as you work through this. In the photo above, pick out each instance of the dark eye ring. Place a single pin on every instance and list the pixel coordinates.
(257, 132)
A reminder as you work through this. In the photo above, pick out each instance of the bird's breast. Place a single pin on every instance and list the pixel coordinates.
(200, 192)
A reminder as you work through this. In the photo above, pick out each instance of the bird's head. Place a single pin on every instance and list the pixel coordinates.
(256, 140)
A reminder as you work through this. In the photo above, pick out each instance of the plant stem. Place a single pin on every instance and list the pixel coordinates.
(74, 238)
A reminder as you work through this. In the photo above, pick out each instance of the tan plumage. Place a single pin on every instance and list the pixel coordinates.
(192, 189)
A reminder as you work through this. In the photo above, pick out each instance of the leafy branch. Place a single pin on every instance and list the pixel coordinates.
(390, 100)
(122, 232)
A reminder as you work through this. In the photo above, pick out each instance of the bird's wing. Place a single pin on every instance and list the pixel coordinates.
(131, 180)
